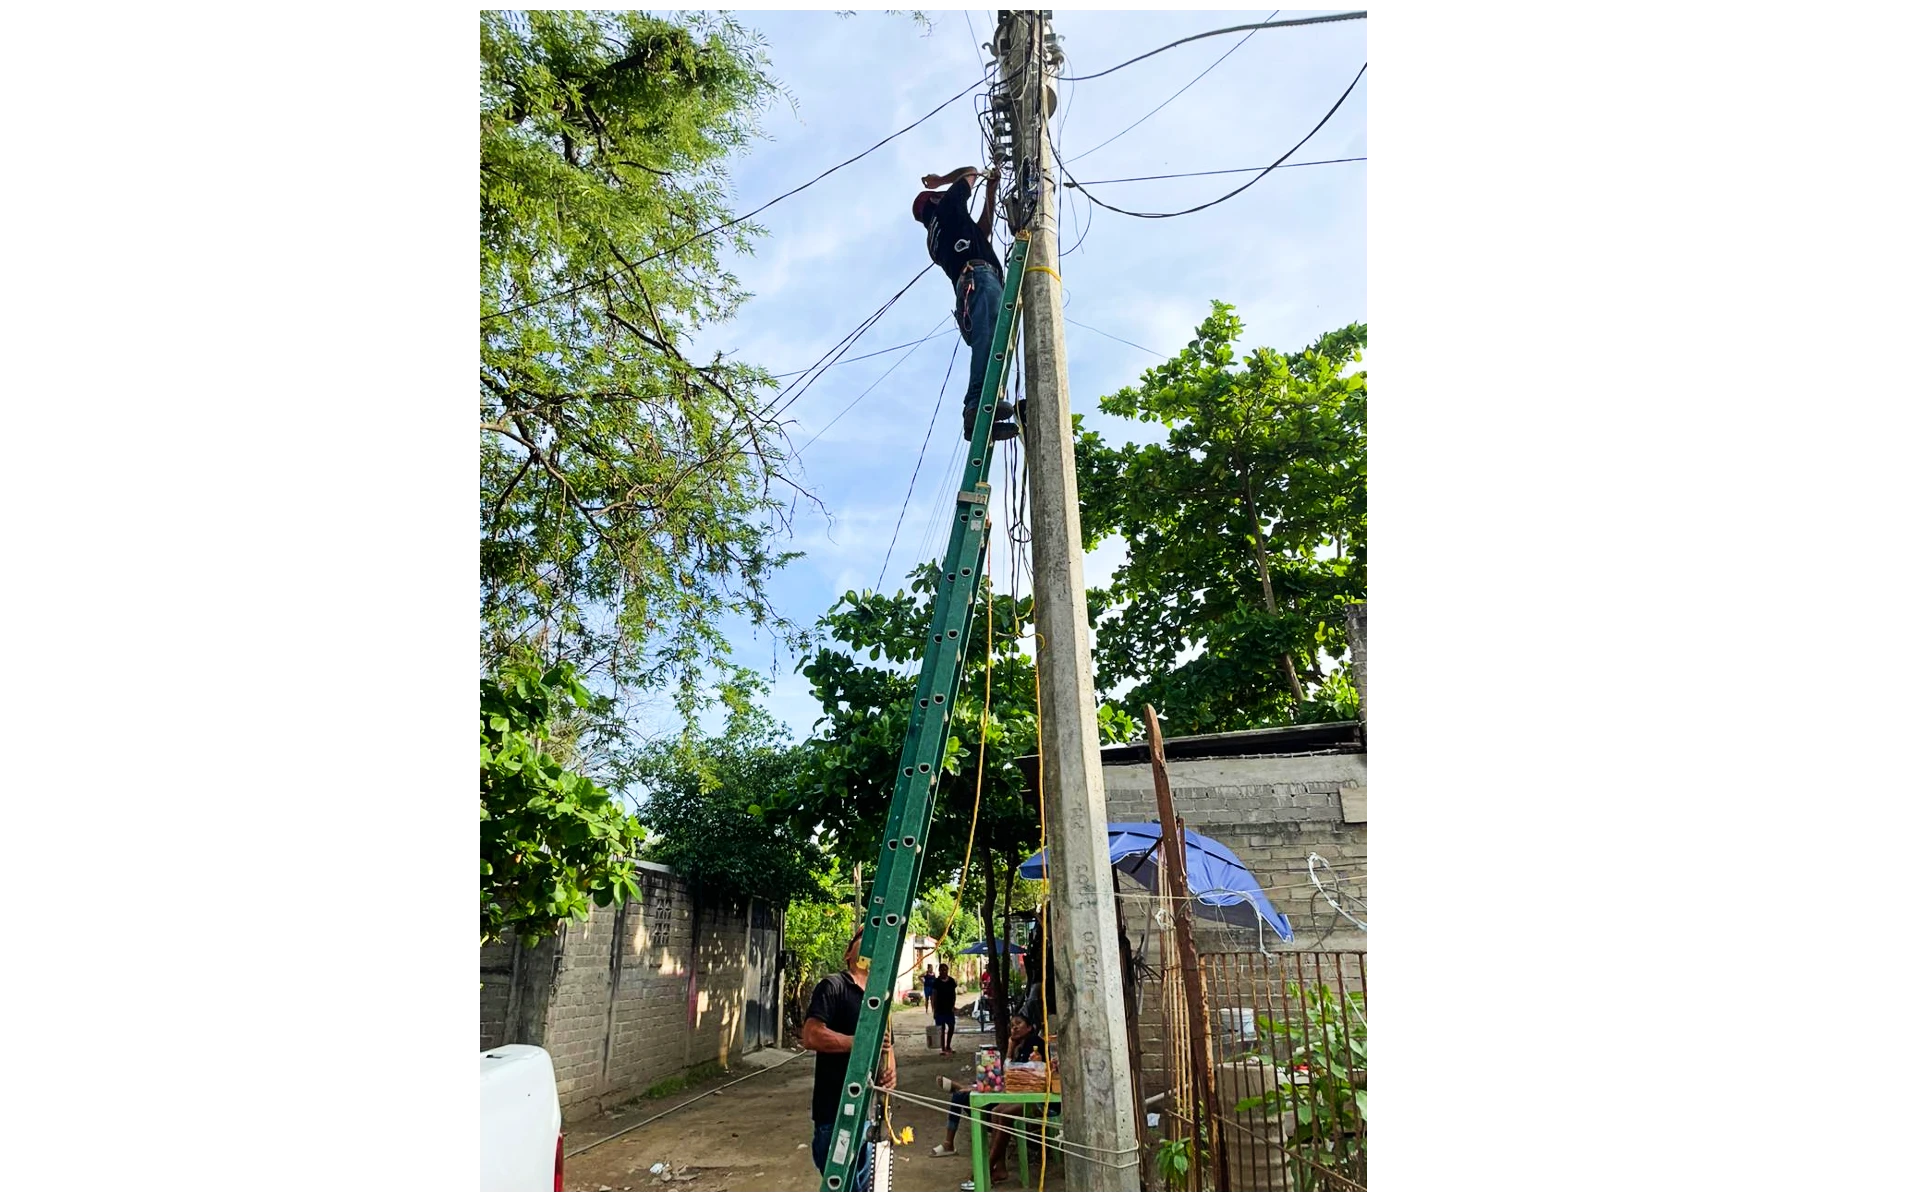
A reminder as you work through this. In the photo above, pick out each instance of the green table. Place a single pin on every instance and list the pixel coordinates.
(982, 1177)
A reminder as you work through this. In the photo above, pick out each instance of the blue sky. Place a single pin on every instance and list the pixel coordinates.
(1289, 253)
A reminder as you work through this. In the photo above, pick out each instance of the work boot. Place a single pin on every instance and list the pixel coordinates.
(1002, 415)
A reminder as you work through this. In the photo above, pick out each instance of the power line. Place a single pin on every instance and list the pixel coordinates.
(863, 395)
(842, 346)
(1170, 99)
(974, 38)
(1103, 333)
(870, 354)
(1347, 16)
(1318, 162)
(744, 216)
(1243, 187)
(951, 359)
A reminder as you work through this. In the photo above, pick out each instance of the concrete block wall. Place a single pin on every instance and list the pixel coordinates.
(718, 1007)
(1272, 811)
(496, 982)
(629, 998)
(643, 1009)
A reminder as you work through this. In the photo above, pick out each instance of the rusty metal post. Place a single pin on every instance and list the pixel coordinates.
(1173, 860)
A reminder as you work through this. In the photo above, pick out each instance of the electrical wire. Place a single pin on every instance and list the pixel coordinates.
(708, 232)
(1105, 334)
(1243, 187)
(1170, 99)
(1347, 16)
(979, 774)
(859, 357)
(1318, 162)
(946, 1105)
(949, 482)
(863, 395)
(840, 348)
(975, 39)
(1331, 902)
(924, 442)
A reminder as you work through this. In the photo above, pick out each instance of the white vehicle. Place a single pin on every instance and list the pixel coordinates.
(521, 1145)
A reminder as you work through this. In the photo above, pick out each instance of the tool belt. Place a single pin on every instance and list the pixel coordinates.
(963, 296)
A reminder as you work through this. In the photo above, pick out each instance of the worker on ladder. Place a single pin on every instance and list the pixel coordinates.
(963, 246)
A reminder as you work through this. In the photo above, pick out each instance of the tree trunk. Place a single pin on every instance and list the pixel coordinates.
(1266, 579)
(1004, 954)
(986, 921)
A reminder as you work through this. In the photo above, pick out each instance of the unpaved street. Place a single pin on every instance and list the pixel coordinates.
(755, 1134)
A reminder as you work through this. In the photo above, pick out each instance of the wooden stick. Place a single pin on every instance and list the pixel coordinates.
(1173, 864)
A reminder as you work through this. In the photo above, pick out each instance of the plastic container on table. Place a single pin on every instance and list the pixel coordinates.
(989, 1072)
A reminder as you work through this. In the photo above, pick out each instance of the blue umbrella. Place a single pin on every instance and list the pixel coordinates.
(980, 947)
(1215, 876)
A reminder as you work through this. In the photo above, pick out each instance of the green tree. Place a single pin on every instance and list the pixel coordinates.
(551, 840)
(626, 501)
(713, 809)
(846, 786)
(1246, 532)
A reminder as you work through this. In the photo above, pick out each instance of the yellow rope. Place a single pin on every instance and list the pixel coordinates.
(1048, 270)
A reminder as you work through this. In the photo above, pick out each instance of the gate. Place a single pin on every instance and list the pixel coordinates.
(762, 983)
(1288, 1051)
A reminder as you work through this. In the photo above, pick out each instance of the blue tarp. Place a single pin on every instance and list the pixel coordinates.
(1215, 876)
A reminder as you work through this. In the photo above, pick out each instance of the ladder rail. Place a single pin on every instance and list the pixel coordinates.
(910, 812)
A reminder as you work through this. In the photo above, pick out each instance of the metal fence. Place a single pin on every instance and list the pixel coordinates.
(1288, 1039)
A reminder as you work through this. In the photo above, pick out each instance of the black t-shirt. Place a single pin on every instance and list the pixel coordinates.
(943, 990)
(836, 1002)
(1029, 1048)
(953, 236)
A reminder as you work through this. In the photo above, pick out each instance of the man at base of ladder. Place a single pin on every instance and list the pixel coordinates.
(833, 1016)
(963, 246)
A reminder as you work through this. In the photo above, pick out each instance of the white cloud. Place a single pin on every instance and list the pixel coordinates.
(1289, 253)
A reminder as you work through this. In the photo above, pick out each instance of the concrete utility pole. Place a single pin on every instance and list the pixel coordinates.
(1096, 1085)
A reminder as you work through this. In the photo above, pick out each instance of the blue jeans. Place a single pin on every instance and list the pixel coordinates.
(976, 314)
(863, 1162)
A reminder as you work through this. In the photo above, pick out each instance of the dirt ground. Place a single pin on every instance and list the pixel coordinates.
(756, 1134)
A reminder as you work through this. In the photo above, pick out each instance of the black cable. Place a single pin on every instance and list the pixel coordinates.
(863, 395)
(842, 346)
(1235, 192)
(1170, 99)
(1347, 16)
(975, 39)
(1060, 166)
(924, 442)
(1103, 333)
(869, 354)
(1059, 191)
(745, 216)
(834, 352)
(1318, 162)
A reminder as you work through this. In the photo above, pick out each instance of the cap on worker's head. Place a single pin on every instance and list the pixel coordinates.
(923, 204)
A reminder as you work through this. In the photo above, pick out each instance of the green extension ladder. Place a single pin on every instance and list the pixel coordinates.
(897, 879)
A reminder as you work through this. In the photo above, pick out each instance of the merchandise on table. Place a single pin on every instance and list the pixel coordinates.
(989, 1072)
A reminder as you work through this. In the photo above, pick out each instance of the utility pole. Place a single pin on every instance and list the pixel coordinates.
(1096, 1088)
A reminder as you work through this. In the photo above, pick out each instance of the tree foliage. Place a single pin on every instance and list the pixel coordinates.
(551, 840)
(714, 811)
(846, 786)
(1246, 532)
(626, 498)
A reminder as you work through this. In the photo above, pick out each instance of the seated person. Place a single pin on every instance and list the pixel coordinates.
(1025, 1046)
